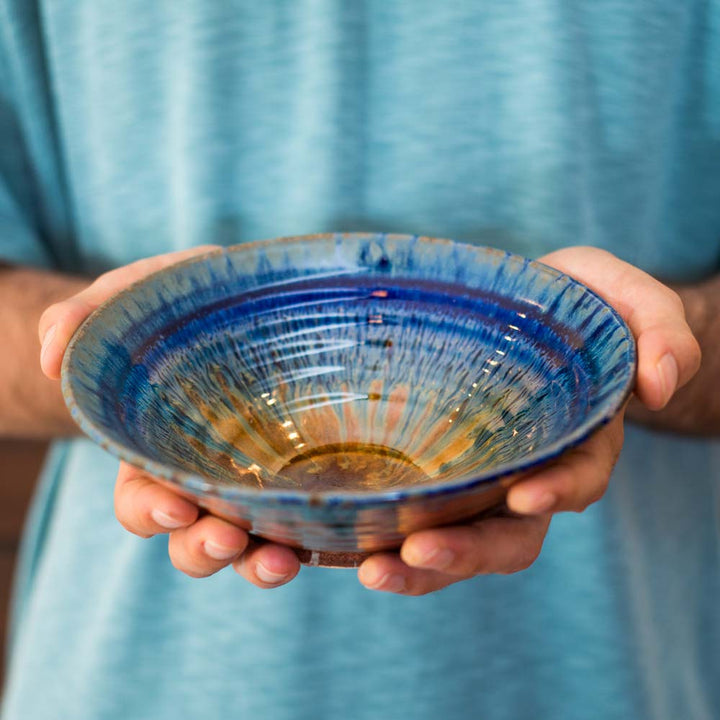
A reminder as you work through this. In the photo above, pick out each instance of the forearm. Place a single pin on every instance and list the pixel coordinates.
(30, 404)
(695, 409)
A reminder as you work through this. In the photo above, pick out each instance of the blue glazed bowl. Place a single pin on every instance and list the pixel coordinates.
(338, 392)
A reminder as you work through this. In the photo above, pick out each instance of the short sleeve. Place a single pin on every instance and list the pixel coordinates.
(19, 244)
(32, 213)
(20, 240)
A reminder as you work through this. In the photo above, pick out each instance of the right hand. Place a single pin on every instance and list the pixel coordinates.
(199, 544)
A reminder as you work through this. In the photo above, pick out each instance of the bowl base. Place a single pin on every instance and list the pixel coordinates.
(318, 558)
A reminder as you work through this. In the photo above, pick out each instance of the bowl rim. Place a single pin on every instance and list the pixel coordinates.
(199, 486)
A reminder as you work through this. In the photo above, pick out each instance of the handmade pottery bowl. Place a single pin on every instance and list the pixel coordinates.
(338, 392)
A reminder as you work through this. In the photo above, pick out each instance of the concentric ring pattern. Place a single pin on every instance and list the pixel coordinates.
(336, 392)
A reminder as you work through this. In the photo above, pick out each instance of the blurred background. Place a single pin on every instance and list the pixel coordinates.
(20, 462)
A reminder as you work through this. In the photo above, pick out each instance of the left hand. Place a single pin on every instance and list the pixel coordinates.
(668, 357)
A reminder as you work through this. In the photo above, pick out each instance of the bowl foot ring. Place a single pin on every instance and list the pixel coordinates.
(318, 558)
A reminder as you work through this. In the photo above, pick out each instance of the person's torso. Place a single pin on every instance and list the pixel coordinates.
(525, 125)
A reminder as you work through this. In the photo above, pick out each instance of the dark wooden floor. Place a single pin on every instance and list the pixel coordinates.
(19, 466)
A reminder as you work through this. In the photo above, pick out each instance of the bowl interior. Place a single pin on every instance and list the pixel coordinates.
(348, 363)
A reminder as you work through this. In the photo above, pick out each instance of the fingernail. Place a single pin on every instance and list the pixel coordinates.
(268, 576)
(435, 558)
(166, 521)
(219, 552)
(536, 504)
(668, 372)
(391, 583)
(46, 342)
(384, 581)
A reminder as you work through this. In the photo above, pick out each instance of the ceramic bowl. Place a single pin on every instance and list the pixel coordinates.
(338, 392)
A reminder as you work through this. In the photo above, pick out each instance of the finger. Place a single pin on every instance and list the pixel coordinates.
(146, 508)
(206, 546)
(267, 565)
(668, 353)
(60, 321)
(430, 560)
(669, 361)
(386, 572)
(491, 545)
(575, 480)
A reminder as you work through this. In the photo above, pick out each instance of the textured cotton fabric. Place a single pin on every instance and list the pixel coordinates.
(129, 129)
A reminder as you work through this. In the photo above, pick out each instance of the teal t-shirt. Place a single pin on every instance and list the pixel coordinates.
(129, 129)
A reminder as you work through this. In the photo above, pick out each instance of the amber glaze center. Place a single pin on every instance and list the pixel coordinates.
(351, 466)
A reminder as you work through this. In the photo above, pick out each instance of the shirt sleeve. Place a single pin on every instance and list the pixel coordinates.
(19, 243)
(28, 195)
(20, 235)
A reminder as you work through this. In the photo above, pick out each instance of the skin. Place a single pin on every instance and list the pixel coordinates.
(200, 545)
(31, 405)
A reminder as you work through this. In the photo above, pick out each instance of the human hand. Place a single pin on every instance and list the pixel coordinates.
(199, 544)
(668, 357)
